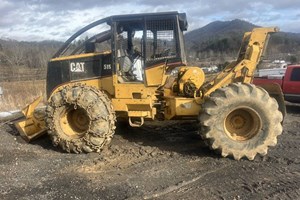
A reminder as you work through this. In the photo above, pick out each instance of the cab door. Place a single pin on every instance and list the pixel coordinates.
(132, 98)
(162, 48)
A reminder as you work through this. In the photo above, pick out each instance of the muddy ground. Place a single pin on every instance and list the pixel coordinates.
(164, 160)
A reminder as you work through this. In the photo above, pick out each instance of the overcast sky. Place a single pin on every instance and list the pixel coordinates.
(36, 20)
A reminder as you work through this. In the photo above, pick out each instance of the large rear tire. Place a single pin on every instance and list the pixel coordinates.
(80, 119)
(240, 120)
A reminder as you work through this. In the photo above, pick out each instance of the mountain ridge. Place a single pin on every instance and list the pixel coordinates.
(218, 40)
(224, 38)
(219, 27)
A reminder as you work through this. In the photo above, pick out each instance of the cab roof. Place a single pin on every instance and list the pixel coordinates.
(159, 15)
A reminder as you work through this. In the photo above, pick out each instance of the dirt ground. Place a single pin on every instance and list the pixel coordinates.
(162, 160)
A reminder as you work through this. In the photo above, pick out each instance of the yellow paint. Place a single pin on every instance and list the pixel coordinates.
(106, 84)
(191, 75)
(155, 75)
(85, 55)
(180, 106)
(137, 99)
(32, 126)
(242, 70)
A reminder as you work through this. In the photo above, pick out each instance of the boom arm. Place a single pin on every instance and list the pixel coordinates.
(242, 70)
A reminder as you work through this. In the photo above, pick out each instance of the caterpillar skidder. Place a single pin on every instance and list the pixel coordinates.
(136, 70)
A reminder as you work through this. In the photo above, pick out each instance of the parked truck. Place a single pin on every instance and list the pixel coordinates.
(289, 83)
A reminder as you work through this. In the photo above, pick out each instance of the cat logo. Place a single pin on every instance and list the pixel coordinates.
(77, 66)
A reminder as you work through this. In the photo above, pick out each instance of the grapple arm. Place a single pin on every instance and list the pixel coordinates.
(242, 70)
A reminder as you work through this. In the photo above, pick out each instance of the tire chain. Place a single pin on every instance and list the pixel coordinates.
(75, 144)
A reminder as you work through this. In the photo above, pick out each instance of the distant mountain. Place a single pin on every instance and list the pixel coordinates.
(216, 42)
(219, 30)
(224, 38)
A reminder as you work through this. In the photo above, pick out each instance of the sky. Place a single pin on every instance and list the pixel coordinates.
(37, 20)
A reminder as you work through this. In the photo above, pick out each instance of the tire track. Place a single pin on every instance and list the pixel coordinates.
(177, 186)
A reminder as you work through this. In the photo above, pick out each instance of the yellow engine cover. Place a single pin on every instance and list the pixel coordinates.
(190, 78)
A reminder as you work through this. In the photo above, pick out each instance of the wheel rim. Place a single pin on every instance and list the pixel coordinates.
(242, 124)
(75, 122)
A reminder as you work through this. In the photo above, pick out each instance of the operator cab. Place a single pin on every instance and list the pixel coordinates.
(143, 41)
(137, 48)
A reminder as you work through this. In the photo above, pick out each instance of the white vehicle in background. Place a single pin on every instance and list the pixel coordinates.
(276, 68)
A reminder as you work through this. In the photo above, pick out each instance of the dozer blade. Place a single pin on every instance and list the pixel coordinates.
(33, 126)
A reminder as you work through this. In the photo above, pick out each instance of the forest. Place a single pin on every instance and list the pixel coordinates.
(214, 44)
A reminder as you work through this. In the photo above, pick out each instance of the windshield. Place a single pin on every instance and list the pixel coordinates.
(95, 37)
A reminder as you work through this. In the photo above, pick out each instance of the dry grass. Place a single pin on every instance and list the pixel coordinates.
(16, 95)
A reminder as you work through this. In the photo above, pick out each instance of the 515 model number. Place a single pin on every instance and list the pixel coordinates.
(107, 66)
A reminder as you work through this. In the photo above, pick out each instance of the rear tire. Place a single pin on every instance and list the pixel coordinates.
(80, 119)
(240, 120)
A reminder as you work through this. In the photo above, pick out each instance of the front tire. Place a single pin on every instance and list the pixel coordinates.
(240, 120)
(80, 119)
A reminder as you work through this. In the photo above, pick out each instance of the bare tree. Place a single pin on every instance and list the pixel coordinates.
(13, 53)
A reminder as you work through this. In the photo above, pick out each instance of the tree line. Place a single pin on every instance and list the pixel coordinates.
(25, 60)
(285, 46)
(28, 60)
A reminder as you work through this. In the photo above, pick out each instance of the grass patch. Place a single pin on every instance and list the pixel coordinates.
(16, 95)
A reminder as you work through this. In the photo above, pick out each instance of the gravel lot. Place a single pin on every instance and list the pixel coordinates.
(161, 160)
